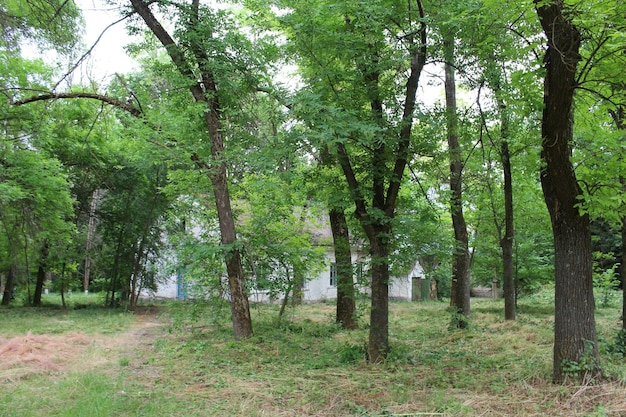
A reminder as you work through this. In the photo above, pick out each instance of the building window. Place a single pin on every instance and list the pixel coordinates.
(359, 272)
(333, 274)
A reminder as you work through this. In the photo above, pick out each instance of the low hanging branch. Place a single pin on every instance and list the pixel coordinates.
(94, 96)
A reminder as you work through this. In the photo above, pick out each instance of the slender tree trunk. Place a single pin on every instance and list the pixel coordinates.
(507, 241)
(624, 267)
(41, 275)
(297, 291)
(115, 272)
(575, 339)
(619, 117)
(346, 306)
(9, 284)
(461, 257)
(91, 226)
(288, 291)
(140, 255)
(205, 91)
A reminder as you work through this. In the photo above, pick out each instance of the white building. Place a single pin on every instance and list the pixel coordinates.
(319, 287)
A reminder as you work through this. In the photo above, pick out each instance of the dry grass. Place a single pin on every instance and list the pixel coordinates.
(306, 366)
(496, 368)
(30, 354)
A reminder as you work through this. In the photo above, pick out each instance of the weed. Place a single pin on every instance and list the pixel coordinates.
(584, 369)
(352, 353)
(619, 345)
(305, 365)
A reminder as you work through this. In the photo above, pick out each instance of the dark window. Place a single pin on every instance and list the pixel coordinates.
(333, 274)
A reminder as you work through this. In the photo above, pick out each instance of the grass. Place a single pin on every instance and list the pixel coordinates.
(305, 365)
(84, 313)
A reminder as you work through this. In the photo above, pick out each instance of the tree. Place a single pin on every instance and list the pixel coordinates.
(460, 292)
(35, 212)
(351, 68)
(575, 339)
(279, 248)
(50, 23)
(204, 89)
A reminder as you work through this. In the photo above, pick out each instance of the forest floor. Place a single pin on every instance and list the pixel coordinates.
(181, 360)
(31, 354)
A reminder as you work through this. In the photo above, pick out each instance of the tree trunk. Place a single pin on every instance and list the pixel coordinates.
(346, 306)
(575, 340)
(623, 265)
(619, 117)
(461, 258)
(63, 303)
(41, 275)
(91, 226)
(8, 285)
(507, 242)
(205, 91)
(115, 271)
(378, 346)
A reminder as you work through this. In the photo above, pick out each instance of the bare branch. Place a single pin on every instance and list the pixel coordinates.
(94, 96)
(86, 54)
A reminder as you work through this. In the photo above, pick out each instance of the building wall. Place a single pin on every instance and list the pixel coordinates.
(316, 288)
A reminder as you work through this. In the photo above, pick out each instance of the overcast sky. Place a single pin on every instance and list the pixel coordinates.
(108, 56)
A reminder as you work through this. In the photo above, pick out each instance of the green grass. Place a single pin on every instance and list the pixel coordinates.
(84, 313)
(305, 365)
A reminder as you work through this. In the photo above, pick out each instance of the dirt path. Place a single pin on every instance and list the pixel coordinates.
(29, 354)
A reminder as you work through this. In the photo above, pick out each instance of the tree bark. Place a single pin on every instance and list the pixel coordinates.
(91, 226)
(507, 241)
(624, 267)
(41, 275)
(8, 285)
(205, 91)
(575, 339)
(376, 222)
(619, 117)
(346, 306)
(461, 258)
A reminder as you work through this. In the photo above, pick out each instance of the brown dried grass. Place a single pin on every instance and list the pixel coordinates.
(31, 354)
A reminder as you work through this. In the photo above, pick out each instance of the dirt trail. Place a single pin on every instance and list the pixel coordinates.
(26, 355)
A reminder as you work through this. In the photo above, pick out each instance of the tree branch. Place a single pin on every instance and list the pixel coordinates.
(88, 52)
(418, 61)
(94, 96)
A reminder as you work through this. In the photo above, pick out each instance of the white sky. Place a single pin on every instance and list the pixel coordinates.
(108, 57)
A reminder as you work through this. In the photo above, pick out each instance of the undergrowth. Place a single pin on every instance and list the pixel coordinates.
(305, 365)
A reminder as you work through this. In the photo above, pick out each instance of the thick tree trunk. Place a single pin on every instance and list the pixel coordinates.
(461, 258)
(575, 340)
(346, 306)
(378, 346)
(205, 91)
(41, 275)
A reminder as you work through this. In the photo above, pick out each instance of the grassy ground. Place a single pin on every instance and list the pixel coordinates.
(174, 364)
